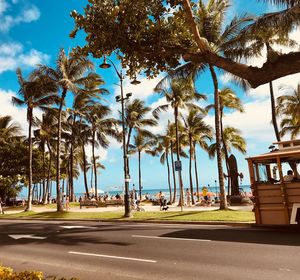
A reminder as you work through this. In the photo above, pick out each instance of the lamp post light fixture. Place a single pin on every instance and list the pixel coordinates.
(121, 98)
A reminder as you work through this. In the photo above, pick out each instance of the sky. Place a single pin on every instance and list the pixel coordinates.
(32, 32)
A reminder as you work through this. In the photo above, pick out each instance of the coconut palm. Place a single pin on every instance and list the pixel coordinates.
(136, 120)
(162, 148)
(36, 92)
(228, 100)
(219, 40)
(196, 131)
(288, 107)
(69, 75)
(180, 94)
(232, 139)
(8, 130)
(143, 141)
(102, 126)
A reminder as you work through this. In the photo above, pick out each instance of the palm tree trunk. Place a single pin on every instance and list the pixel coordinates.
(178, 157)
(226, 155)
(127, 148)
(84, 172)
(72, 198)
(274, 120)
(196, 172)
(223, 203)
(190, 170)
(94, 162)
(44, 176)
(29, 204)
(173, 172)
(49, 170)
(58, 190)
(169, 177)
(140, 175)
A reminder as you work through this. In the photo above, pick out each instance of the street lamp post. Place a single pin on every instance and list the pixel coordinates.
(121, 98)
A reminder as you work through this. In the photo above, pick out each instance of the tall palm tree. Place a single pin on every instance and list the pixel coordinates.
(36, 92)
(179, 94)
(288, 107)
(219, 40)
(232, 139)
(196, 131)
(228, 100)
(69, 75)
(163, 148)
(102, 126)
(136, 120)
(143, 141)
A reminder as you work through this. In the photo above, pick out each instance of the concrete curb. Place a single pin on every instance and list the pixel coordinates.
(168, 222)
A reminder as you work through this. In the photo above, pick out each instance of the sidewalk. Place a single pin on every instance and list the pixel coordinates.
(148, 208)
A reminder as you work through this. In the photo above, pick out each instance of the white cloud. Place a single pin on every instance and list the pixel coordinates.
(141, 91)
(8, 21)
(12, 56)
(18, 114)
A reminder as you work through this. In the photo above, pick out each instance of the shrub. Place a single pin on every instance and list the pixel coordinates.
(7, 273)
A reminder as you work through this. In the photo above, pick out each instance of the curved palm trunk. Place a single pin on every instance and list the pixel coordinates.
(94, 162)
(84, 172)
(223, 203)
(58, 190)
(190, 170)
(178, 158)
(173, 172)
(140, 175)
(169, 177)
(196, 173)
(29, 204)
(274, 120)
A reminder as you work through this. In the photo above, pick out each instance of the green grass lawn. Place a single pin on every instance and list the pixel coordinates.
(196, 216)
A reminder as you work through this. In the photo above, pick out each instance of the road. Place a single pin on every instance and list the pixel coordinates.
(123, 251)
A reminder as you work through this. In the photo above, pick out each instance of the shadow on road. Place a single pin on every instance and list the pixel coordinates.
(289, 236)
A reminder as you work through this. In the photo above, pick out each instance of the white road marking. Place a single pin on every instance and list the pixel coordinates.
(27, 236)
(170, 238)
(71, 227)
(112, 257)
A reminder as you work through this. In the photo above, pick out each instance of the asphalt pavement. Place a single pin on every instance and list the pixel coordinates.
(103, 250)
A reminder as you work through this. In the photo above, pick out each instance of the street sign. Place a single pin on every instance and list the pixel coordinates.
(178, 166)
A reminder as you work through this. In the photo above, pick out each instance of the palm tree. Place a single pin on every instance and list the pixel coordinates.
(162, 148)
(143, 141)
(288, 107)
(136, 120)
(68, 76)
(252, 42)
(179, 94)
(196, 131)
(218, 40)
(36, 92)
(102, 127)
(232, 139)
(8, 130)
(228, 100)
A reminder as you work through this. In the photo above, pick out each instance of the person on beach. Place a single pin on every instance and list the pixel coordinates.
(67, 203)
(188, 197)
(204, 193)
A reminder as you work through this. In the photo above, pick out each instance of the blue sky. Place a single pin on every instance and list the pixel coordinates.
(33, 31)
